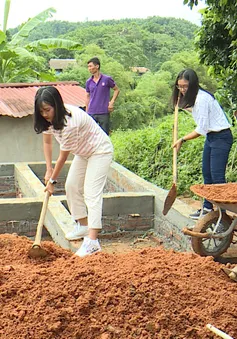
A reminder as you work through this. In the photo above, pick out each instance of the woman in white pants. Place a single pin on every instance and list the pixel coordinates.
(79, 134)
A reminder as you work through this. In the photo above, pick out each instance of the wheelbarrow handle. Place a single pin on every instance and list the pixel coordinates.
(188, 231)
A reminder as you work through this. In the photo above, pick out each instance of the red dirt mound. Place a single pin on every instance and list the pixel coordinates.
(150, 293)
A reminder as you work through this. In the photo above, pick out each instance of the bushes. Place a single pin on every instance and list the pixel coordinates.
(148, 153)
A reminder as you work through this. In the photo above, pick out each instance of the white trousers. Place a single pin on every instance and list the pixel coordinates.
(84, 187)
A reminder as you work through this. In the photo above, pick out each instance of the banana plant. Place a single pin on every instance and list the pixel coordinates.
(16, 50)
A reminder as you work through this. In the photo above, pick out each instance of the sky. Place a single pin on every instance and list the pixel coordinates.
(74, 11)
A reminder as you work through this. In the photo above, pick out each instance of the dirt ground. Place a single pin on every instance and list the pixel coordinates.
(193, 203)
(123, 243)
(143, 293)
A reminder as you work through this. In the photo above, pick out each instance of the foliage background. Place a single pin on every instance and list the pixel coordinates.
(148, 153)
(142, 120)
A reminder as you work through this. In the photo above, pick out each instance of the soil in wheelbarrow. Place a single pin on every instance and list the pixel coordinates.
(146, 293)
(219, 192)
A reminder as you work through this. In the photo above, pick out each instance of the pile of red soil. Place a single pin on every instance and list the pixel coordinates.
(150, 293)
(219, 192)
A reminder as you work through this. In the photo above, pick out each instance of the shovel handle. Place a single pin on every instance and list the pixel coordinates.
(175, 138)
(218, 332)
(41, 220)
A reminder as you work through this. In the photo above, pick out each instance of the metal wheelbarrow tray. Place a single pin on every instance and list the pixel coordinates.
(213, 234)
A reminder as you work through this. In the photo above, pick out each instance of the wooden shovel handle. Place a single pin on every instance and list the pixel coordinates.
(41, 220)
(218, 332)
(175, 138)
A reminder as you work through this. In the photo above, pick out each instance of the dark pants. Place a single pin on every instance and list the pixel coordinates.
(102, 120)
(215, 157)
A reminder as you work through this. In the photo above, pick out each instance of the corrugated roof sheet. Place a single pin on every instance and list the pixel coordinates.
(17, 100)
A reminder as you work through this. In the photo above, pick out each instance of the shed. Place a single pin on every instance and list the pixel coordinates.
(19, 140)
(59, 65)
(139, 70)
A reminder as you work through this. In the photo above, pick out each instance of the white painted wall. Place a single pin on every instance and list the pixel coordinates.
(19, 141)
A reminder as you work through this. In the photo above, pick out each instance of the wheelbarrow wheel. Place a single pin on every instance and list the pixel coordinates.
(207, 246)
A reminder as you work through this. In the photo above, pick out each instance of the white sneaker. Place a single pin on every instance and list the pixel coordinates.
(88, 247)
(78, 232)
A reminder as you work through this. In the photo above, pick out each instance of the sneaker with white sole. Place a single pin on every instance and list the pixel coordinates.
(200, 213)
(78, 232)
(88, 247)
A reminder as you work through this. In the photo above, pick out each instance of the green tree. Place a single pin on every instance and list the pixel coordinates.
(148, 153)
(184, 60)
(16, 50)
(138, 42)
(153, 94)
(122, 115)
(216, 43)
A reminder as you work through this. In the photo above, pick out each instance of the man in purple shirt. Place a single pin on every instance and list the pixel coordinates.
(98, 102)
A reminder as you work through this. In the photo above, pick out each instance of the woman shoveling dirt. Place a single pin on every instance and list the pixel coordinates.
(79, 134)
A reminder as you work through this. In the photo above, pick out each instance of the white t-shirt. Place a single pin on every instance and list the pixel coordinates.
(208, 114)
(81, 135)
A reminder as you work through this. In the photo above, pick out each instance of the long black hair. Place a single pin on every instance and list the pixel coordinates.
(51, 96)
(187, 100)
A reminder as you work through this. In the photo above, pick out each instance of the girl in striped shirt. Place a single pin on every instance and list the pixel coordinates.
(212, 123)
(76, 133)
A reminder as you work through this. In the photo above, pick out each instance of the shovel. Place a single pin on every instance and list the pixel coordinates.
(171, 196)
(36, 250)
(218, 332)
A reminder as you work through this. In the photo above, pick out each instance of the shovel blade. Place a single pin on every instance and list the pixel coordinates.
(171, 196)
(37, 251)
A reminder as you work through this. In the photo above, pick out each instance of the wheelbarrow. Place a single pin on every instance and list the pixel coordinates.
(213, 234)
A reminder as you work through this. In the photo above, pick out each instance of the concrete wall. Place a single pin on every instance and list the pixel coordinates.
(21, 216)
(169, 227)
(137, 205)
(122, 212)
(20, 142)
(7, 181)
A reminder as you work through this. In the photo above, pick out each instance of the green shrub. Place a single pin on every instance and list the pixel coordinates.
(148, 153)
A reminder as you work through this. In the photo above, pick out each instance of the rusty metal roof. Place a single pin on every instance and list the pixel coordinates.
(17, 99)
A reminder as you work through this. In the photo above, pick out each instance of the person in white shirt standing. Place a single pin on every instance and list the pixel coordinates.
(212, 123)
(79, 134)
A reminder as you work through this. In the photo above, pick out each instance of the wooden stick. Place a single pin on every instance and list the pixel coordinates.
(218, 332)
